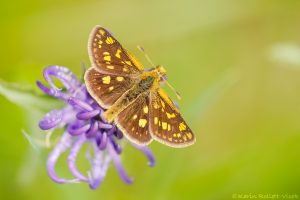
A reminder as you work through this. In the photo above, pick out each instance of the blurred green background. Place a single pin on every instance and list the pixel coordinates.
(235, 63)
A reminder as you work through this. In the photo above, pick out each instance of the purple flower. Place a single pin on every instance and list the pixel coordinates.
(82, 121)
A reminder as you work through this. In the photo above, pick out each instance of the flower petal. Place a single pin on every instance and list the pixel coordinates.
(66, 77)
(78, 129)
(87, 115)
(80, 104)
(118, 164)
(73, 155)
(51, 119)
(51, 91)
(104, 125)
(147, 152)
(93, 130)
(99, 167)
(116, 146)
(63, 144)
(103, 141)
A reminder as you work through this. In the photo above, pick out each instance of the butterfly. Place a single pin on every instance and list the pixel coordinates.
(134, 100)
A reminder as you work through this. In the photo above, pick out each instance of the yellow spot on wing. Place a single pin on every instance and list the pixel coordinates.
(135, 61)
(120, 78)
(189, 135)
(128, 63)
(106, 79)
(182, 126)
(110, 67)
(146, 109)
(102, 32)
(105, 53)
(111, 88)
(155, 120)
(125, 69)
(167, 99)
(163, 104)
(169, 127)
(142, 123)
(164, 125)
(170, 115)
(107, 58)
(109, 40)
(134, 117)
(155, 105)
(118, 53)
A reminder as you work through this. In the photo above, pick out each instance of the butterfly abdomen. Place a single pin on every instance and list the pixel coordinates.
(143, 86)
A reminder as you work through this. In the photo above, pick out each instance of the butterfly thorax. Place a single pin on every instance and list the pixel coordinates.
(147, 81)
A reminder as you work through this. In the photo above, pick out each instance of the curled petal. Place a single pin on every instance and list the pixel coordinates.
(51, 119)
(76, 129)
(93, 130)
(104, 125)
(99, 167)
(63, 144)
(116, 146)
(112, 130)
(87, 115)
(103, 141)
(79, 103)
(147, 152)
(66, 77)
(51, 91)
(72, 158)
(118, 164)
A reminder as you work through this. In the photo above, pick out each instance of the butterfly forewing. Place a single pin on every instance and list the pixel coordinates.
(108, 56)
(134, 121)
(106, 89)
(166, 124)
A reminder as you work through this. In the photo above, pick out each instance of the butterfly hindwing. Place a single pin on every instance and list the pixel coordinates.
(166, 124)
(108, 56)
(106, 89)
(133, 121)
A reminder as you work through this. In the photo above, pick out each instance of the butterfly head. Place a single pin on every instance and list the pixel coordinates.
(161, 72)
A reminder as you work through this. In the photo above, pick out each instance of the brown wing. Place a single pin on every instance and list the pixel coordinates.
(106, 89)
(166, 124)
(133, 121)
(108, 56)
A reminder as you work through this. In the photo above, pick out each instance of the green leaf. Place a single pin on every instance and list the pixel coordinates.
(25, 97)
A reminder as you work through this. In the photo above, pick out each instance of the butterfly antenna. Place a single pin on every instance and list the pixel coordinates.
(146, 55)
(174, 90)
(149, 60)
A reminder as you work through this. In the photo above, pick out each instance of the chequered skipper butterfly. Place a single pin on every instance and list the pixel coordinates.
(132, 96)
